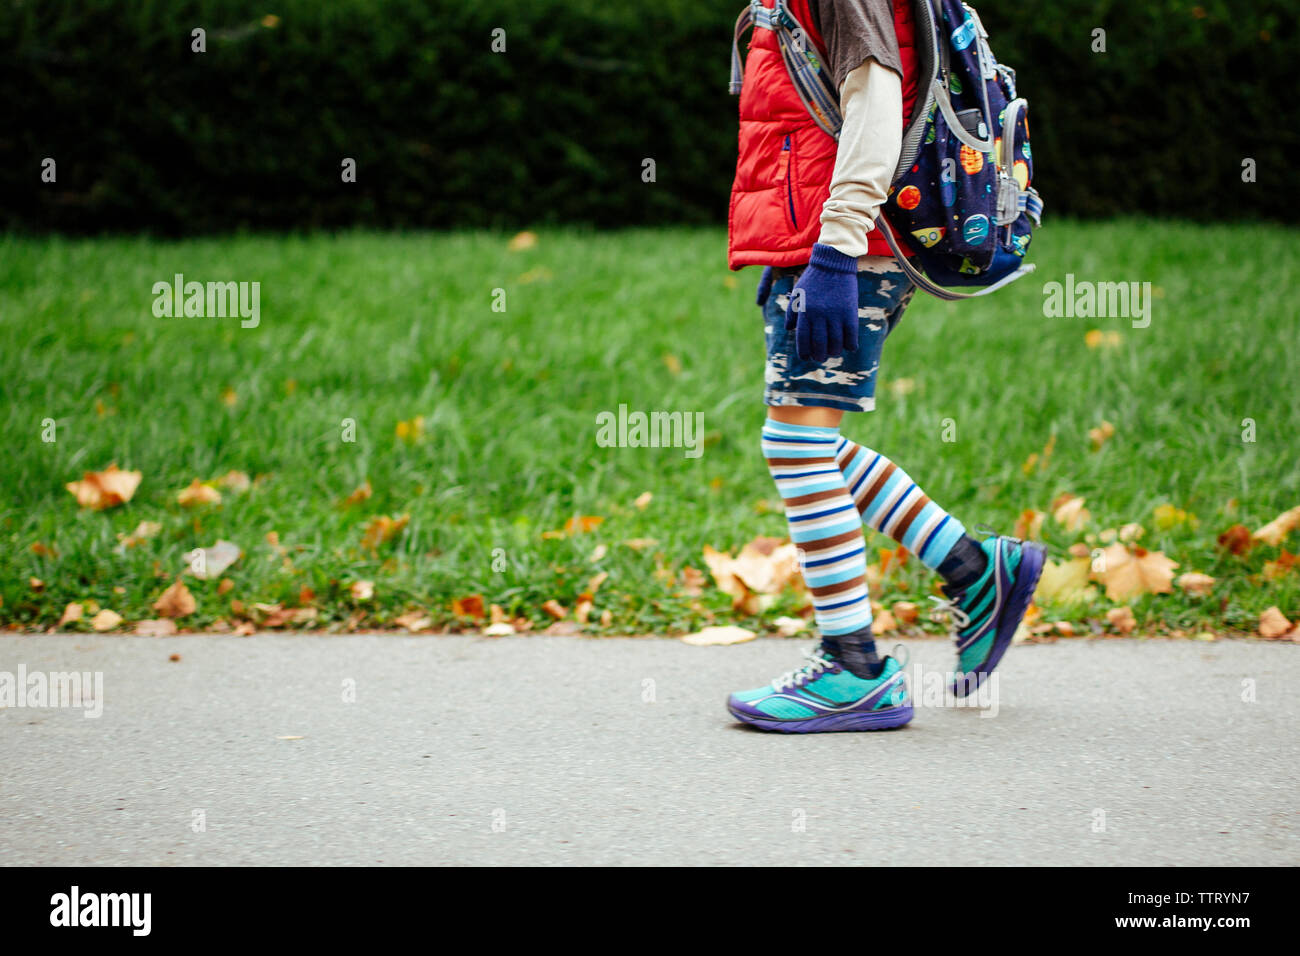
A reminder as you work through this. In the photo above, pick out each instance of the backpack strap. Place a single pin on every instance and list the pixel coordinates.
(743, 23)
(802, 61)
(925, 284)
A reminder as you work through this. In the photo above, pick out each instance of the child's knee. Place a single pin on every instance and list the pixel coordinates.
(812, 415)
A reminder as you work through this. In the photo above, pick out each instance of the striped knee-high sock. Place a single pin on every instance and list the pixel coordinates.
(824, 523)
(891, 503)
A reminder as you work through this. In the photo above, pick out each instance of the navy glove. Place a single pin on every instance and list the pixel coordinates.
(764, 286)
(823, 310)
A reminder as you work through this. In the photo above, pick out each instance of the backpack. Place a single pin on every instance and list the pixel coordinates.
(960, 196)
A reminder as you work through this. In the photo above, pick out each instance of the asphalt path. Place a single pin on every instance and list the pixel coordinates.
(377, 749)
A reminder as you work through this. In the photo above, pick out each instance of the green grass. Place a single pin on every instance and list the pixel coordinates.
(383, 328)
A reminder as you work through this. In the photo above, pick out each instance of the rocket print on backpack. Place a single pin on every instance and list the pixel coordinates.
(960, 197)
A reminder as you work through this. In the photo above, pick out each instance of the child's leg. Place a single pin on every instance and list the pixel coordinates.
(825, 525)
(890, 502)
(989, 584)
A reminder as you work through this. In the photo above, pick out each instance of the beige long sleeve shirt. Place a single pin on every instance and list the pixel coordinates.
(871, 139)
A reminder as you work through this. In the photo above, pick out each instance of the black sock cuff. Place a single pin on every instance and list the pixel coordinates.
(857, 653)
(965, 564)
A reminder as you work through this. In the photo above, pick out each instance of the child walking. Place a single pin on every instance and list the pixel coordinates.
(804, 207)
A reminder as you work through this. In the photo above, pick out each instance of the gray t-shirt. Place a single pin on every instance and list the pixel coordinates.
(855, 31)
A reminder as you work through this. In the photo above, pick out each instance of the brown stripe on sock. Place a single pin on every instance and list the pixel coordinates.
(908, 518)
(831, 589)
(847, 452)
(822, 544)
(801, 500)
(879, 483)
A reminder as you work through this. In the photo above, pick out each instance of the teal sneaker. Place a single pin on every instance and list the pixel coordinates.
(823, 697)
(987, 613)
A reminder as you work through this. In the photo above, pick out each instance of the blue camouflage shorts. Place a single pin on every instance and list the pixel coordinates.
(846, 381)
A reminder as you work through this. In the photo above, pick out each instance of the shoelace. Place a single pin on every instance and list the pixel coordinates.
(817, 662)
(949, 607)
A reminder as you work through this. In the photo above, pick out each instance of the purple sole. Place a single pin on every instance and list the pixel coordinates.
(1022, 592)
(886, 718)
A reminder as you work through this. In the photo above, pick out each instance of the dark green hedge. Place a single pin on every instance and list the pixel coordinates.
(149, 135)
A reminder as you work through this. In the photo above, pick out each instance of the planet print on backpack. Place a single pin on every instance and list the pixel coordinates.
(975, 230)
(1021, 172)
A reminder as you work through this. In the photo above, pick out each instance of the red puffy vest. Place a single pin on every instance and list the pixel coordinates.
(783, 172)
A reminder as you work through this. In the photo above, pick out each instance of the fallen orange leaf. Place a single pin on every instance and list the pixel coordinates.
(143, 532)
(236, 481)
(381, 529)
(1276, 569)
(198, 494)
(711, 636)
(106, 620)
(522, 241)
(104, 489)
(176, 601)
(767, 565)
(470, 606)
(1273, 623)
(693, 581)
(906, 611)
(582, 610)
(1101, 434)
(896, 557)
(1068, 511)
(1131, 572)
(361, 494)
(1195, 583)
(1029, 526)
(1277, 529)
(1121, 618)
(582, 524)
(415, 620)
(1236, 539)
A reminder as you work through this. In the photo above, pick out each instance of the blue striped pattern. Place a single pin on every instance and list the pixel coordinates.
(802, 461)
(931, 533)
